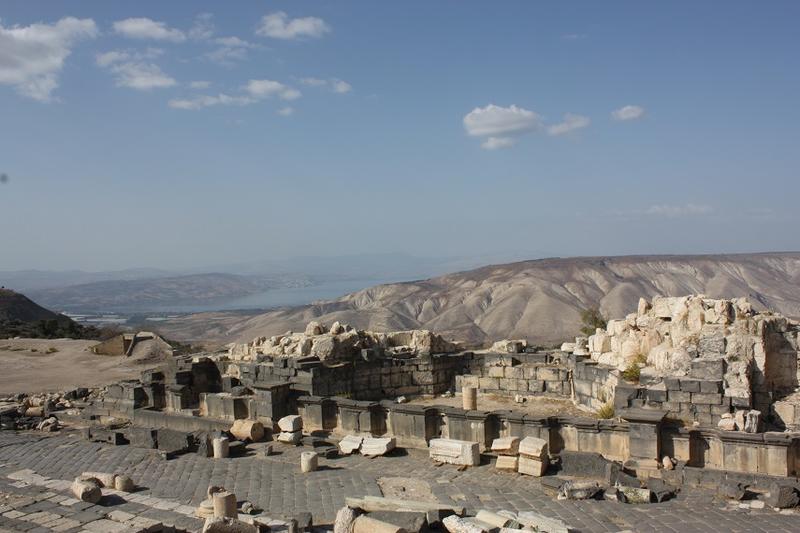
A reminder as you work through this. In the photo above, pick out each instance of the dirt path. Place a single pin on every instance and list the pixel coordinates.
(42, 365)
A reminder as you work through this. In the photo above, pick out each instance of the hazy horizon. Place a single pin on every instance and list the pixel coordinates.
(182, 135)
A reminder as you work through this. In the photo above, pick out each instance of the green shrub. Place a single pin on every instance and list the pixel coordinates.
(592, 319)
(606, 411)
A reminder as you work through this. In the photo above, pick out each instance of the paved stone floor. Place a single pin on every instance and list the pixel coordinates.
(172, 488)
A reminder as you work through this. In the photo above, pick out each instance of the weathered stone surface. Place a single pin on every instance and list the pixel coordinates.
(506, 446)
(539, 522)
(455, 524)
(87, 490)
(752, 422)
(377, 445)
(365, 524)
(507, 462)
(345, 518)
(781, 496)
(350, 444)
(578, 490)
(308, 461)
(251, 430)
(532, 466)
(459, 452)
(727, 424)
(342, 343)
(533, 447)
(493, 519)
(124, 483)
(731, 491)
(228, 525)
(635, 495)
(291, 423)
(224, 504)
(290, 437)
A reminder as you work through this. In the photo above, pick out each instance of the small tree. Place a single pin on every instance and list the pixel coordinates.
(592, 319)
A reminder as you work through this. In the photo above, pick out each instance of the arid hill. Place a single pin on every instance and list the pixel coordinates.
(538, 300)
(21, 317)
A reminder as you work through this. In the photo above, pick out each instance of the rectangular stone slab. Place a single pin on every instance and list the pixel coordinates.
(458, 452)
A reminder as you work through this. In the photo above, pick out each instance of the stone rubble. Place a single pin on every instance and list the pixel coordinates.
(458, 452)
(341, 342)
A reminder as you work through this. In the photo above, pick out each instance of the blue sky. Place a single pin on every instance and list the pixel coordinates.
(143, 134)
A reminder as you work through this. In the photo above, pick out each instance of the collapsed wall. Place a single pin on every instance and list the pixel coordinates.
(341, 342)
(727, 353)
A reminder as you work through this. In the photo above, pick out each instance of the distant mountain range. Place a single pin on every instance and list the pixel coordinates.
(537, 300)
(147, 294)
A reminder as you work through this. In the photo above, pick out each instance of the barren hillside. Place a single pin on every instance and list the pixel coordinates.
(541, 300)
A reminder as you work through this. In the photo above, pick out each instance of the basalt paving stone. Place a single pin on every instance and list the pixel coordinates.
(276, 485)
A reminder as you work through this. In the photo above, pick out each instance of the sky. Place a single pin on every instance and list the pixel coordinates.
(180, 134)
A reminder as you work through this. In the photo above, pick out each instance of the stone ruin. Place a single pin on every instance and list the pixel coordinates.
(704, 352)
(341, 342)
(686, 388)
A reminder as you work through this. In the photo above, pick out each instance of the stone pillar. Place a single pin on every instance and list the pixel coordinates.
(220, 445)
(308, 461)
(469, 397)
(644, 437)
(224, 504)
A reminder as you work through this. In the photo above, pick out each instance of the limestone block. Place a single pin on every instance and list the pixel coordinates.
(459, 452)
(87, 490)
(493, 519)
(506, 445)
(533, 447)
(251, 430)
(345, 518)
(568, 347)
(507, 462)
(228, 525)
(781, 496)
(377, 446)
(365, 524)
(224, 504)
(455, 524)
(635, 494)
(309, 461)
(469, 398)
(350, 444)
(532, 467)
(752, 422)
(539, 522)
(578, 490)
(221, 447)
(290, 437)
(105, 479)
(727, 424)
(291, 423)
(124, 483)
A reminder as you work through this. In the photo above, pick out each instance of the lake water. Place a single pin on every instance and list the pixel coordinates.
(283, 297)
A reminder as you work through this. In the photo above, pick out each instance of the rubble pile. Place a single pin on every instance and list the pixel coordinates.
(341, 342)
(755, 354)
(44, 411)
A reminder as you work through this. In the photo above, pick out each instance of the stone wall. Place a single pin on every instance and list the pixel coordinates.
(770, 453)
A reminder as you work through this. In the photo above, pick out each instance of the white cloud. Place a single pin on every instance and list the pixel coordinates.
(203, 27)
(200, 102)
(278, 25)
(570, 123)
(200, 84)
(31, 57)
(496, 143)
(628, 112)
(679, 210)
(341, 86)
(145, 28)
(269, 88)
(141, 76)
(285, 111)
(253, 92)
(133, 70)
(230, 49)
(334, 84)
(494, 120)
